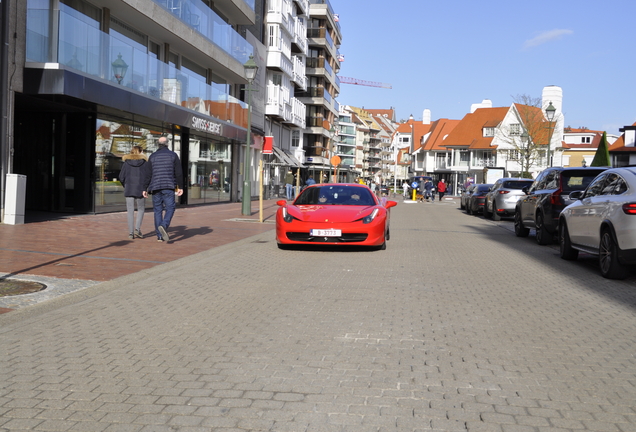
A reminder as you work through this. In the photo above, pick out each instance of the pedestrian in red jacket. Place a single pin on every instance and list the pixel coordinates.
(441, 189)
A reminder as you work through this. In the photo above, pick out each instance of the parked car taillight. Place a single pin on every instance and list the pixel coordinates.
(629, 208)
(555, 198)
(504, 191)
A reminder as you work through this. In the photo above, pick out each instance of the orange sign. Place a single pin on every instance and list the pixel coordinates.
(335, 160)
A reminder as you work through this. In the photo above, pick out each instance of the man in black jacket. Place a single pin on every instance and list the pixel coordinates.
(166, 176)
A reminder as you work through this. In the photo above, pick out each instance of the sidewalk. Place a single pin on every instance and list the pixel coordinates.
(97, 248)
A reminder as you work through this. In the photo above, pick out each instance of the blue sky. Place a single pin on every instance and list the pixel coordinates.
(447, 55)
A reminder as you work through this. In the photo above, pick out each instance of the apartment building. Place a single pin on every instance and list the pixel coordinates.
(323, 86)
(91, 78)
(287, 48)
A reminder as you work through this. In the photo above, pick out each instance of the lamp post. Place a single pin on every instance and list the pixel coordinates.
(250, 68)
(119, 68)
(525, 138)
(332, 135)
(550, 111)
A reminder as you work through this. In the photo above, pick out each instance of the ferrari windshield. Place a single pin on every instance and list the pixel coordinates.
(330, 194)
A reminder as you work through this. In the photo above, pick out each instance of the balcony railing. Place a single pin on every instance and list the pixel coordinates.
(200, 17)
(94, 52)
(312, 92)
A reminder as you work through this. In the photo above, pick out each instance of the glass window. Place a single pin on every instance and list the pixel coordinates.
(515, 129)
(615, 185)
(596, 187)
(552, 180)
(208, 177)
(295, 138)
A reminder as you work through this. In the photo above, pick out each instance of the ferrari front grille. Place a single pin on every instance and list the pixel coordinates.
(344, 238)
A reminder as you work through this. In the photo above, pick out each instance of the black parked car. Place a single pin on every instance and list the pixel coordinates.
(549, 194)
(478, 199)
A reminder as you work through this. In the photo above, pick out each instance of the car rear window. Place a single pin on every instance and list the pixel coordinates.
(516, 184)
(577, 180)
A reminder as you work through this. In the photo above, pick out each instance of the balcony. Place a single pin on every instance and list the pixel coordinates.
(298, 112)
(299, 77)
(278, 102)
(278, 60)
(483, 163)
(204, 20)
(303, 6)
(312, 92)
(93, 54)
(300, 36)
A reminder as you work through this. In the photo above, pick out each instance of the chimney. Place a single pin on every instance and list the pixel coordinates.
(552, 94)
(426, 116)
(486, 103)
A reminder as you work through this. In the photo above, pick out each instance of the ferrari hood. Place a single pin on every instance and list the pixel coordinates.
(329, 213)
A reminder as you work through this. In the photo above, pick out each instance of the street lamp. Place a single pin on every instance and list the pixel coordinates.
(331, 152)
(250, 68)
(525, 138)
(119, 69)
(550, 111)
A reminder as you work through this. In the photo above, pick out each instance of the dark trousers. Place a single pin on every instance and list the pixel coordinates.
(163, 204)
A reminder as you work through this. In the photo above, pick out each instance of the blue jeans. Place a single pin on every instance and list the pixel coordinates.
(163, 200)
(290, 191)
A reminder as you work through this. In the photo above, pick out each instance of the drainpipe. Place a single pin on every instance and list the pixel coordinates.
(4, 99)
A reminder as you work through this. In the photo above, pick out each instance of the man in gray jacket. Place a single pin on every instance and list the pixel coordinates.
(167, 175)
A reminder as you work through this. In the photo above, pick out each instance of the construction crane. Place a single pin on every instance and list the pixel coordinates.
(355, 81)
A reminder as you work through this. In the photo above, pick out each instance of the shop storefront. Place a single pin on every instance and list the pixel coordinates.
(71, 150)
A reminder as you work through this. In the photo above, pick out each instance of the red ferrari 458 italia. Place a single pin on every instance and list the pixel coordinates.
(334, 214)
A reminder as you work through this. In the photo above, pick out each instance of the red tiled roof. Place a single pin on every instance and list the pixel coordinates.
(390, 113)
(619, 145)
(440, 130)
(469, 131)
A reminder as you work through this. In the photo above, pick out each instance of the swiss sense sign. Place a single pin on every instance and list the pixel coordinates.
(207, 126)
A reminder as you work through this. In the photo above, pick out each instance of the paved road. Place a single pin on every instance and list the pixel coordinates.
(458, 325)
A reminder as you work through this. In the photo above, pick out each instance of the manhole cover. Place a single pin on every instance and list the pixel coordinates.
(12, 287)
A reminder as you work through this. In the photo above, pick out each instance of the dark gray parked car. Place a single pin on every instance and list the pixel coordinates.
(549, 194)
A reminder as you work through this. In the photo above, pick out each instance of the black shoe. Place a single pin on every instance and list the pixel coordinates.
(138, 234)
(164, 233)
(160, 240)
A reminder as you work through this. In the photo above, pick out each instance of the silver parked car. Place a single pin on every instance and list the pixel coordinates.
(503, 196)
(602, 221)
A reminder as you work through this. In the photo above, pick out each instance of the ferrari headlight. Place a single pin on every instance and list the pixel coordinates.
(369, 219)
(286, 216)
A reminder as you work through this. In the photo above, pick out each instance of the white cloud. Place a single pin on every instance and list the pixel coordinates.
(546, 37)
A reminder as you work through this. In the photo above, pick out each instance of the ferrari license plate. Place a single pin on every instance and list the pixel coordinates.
(326, 232)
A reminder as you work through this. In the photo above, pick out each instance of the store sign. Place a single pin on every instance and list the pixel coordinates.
(207, 126)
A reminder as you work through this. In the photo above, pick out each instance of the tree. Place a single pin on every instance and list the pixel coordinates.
(529, 137)
(602, 156)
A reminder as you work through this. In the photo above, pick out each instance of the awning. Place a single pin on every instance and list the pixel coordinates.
(286, 158)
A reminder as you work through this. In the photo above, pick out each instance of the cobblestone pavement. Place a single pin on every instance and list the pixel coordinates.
(458, 325)
(78, 251)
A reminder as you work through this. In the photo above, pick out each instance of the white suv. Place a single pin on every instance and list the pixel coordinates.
(602, 221)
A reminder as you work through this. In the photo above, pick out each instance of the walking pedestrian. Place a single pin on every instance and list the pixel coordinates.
(405, 187)
(428, 187)
(289, 185)
(167, 177)
(135, 177)
(310, 181)
(441, 189)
